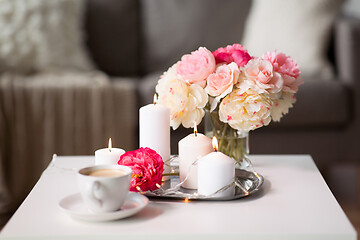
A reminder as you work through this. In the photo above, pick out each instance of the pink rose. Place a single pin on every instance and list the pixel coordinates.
(196, 67)
(259, 70)
(260, 77)
(147, 168)
(232, 53)
(283, 64)
(222, 81)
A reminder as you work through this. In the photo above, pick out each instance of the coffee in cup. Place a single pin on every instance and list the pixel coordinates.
(106, 172)
(104, 188)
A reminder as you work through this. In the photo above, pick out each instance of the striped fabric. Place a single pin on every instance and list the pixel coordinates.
(68, 113)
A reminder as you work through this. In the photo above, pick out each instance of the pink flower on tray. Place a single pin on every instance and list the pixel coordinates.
(196, 67)
(147, 168)
(232, 53)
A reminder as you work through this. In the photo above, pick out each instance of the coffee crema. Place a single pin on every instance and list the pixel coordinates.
(106, 173)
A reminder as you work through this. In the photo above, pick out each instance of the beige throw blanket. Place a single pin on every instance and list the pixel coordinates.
(64, 113)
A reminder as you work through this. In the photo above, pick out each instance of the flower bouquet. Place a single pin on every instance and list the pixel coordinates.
(241, 92)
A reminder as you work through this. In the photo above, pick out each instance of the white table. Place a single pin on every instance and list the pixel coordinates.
(294, 203)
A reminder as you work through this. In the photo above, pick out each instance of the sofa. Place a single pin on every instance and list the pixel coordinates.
(68, 108)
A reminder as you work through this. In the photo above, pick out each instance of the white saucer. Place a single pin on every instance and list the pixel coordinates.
(76, 208)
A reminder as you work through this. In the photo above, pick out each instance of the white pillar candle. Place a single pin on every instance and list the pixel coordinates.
(108, 155)
(154, 130)
(215, 171)
(192, 148)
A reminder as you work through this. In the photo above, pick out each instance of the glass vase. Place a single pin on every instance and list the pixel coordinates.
(232, 142)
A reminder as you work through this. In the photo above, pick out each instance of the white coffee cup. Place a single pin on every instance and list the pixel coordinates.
(104, 188)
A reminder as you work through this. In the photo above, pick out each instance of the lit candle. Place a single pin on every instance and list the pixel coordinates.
(154, 130)
(108, 155)
(192, 148)
(215, 171)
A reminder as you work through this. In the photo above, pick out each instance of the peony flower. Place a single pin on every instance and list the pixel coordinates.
(260, 77)
(282, 105)
(147, 167)
(232, 53)
(282, 64)
(245, 111)
(222, 81)
(196, 67)
(186, 102)
(259, 70)
(242, 87)
(291, 84)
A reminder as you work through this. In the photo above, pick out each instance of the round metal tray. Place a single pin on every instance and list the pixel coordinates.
(246, 183)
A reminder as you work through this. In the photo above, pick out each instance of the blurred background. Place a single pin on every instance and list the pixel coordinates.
(75, 72)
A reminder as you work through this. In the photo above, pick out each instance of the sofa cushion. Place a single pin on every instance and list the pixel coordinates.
(171, 28)
(36, 35)
(320, 103)
(112, 35)
(299, 28)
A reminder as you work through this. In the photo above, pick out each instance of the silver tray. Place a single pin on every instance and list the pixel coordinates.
(247, 184)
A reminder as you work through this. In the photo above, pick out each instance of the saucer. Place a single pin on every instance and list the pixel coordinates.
(76, 208)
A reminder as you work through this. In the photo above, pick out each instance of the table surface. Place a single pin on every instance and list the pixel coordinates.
(294, 203)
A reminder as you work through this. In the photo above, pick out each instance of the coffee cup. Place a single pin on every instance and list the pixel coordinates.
(104, 188)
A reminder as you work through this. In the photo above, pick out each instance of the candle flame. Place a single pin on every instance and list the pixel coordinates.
(110, 144)
(195, 129)
(155, 99)
(215, 144)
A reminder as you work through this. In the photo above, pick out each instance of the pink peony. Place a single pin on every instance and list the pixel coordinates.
(283, 64)
(147, 168)
(291, 84)
(259, 70)
(196, 67)
(222, 81)
(259, 76)
(232, 53)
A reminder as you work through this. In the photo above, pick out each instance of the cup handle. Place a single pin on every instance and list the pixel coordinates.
(93, 192)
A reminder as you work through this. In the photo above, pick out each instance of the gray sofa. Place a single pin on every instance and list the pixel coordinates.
(132, 43)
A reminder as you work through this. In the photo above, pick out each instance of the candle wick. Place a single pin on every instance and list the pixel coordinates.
(195, 134)
(109, 149)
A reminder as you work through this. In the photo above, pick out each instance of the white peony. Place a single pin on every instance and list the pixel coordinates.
(245, 110)
(185, 101)
(282, 105)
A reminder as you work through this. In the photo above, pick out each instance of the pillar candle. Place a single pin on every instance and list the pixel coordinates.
(215, 171)
(108, 155)
(154, 130)
(192, 148)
